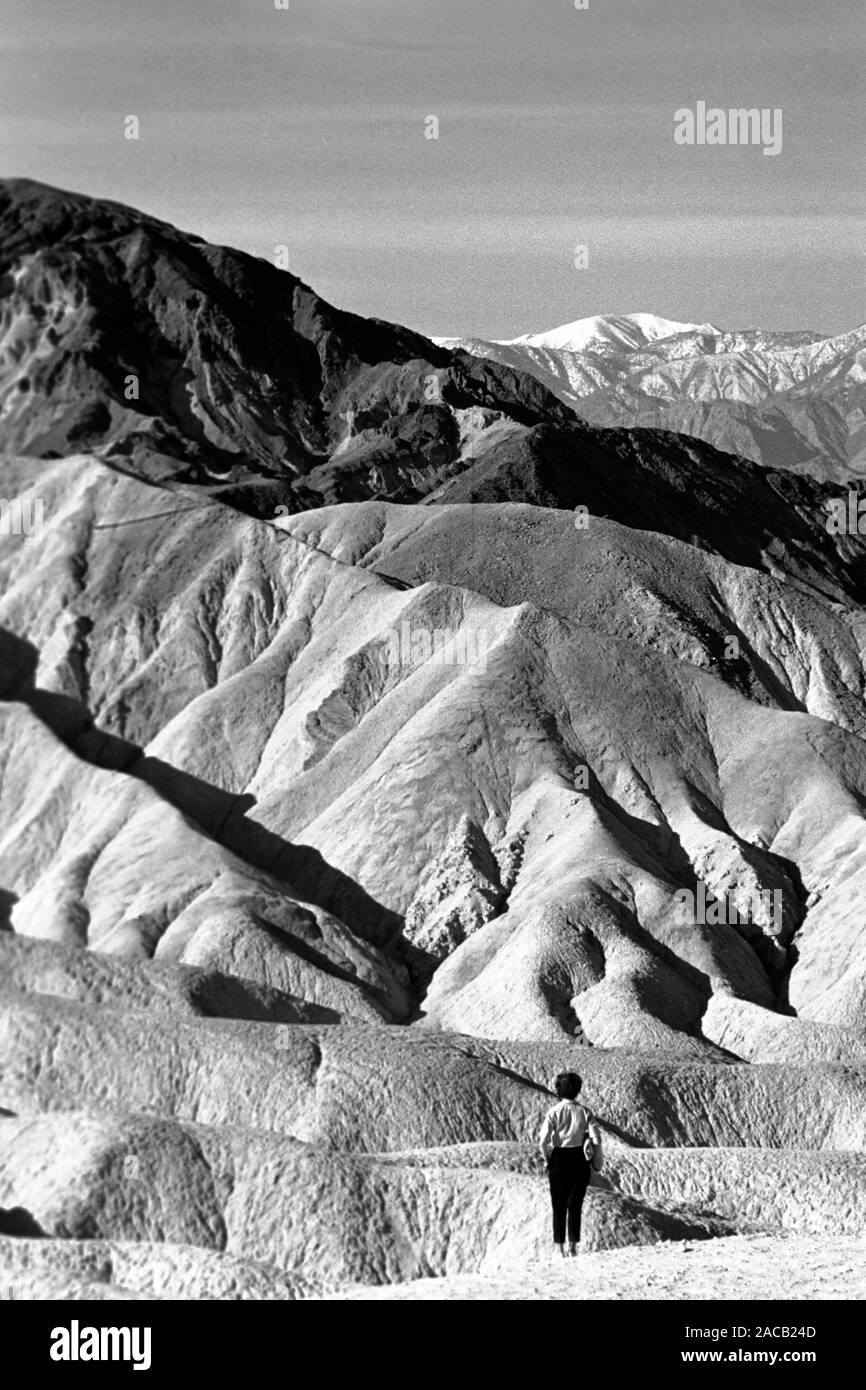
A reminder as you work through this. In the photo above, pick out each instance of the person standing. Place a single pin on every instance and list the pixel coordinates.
(568, 1139)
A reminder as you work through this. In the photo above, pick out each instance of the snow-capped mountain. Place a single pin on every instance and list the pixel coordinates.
(616, 331)
(793, 400)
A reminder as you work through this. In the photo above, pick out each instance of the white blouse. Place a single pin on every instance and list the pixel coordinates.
(565, 1126)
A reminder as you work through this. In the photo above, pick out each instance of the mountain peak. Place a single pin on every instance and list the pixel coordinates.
(609, 330)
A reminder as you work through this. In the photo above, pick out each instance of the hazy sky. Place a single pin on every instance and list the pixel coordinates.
(306, 127)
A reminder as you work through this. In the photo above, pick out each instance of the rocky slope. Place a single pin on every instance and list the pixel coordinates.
(367, 718)
(793, 401)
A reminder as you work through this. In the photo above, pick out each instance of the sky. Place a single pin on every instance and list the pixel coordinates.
(306, 127)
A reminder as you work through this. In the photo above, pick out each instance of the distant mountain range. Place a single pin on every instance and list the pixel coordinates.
(786, 400)
(192, 365)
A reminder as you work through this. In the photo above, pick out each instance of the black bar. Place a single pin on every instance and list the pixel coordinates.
(615, 1339)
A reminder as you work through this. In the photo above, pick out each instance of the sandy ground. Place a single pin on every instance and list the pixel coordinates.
(736, 1267)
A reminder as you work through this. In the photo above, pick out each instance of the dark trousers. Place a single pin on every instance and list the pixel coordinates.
(568, 1174)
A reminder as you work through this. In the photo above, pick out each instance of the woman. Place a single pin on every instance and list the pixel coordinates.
(567, 1128)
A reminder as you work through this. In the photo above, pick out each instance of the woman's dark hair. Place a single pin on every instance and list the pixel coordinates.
(567, 1085)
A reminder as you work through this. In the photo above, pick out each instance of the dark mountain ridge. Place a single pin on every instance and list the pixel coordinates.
(191, 365)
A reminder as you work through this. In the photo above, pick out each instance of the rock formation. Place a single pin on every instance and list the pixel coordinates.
(368, 719)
